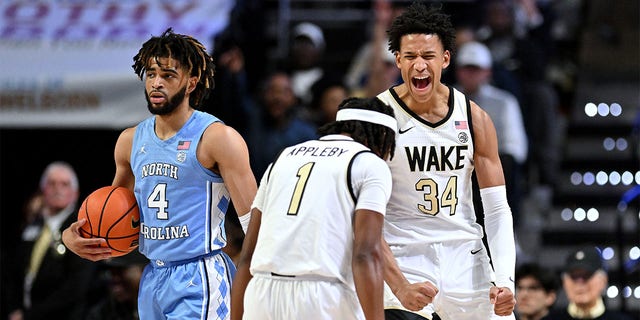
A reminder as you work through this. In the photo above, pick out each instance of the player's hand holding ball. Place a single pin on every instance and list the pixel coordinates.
(108, 225)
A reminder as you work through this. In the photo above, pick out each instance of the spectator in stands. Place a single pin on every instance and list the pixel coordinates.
(536, 291)
(520, 54)
(239, 60)
(275, 122)
(473, 74)
(122, 275)
(55, 281)
(520, 64)
(373, 68)
(584, 279)
(230, 99)
(305, 59)
(464, 34)
(328, 93)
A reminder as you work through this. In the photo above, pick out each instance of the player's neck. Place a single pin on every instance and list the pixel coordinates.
(167, 125)
(433, 109)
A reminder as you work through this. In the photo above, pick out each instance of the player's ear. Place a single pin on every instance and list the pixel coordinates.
(446, 57)
(193, 82)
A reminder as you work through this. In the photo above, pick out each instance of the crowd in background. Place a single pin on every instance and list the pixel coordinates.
(527, 54)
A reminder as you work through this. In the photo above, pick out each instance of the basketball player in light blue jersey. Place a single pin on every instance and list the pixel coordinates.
(185, 167)
(313, 249)
(430, 224)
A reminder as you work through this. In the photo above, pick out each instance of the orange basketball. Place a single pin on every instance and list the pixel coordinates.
(112, 213)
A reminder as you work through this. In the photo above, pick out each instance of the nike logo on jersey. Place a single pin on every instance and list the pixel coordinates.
(476, 251)
(400, 131)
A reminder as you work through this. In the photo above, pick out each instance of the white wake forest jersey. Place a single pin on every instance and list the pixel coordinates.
(432, 199)
(307, 199)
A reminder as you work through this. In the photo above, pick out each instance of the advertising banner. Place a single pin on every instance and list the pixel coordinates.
(67, 63)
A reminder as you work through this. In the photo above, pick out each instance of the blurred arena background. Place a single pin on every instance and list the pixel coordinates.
(67, 90)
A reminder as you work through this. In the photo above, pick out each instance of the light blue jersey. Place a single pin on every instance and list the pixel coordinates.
(182, 204)
(182, 208)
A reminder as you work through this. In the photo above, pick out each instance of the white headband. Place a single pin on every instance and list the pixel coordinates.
(368, 116)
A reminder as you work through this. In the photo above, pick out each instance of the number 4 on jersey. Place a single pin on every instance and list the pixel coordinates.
(158, 199)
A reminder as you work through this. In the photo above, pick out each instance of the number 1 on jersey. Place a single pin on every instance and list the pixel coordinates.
(303, 177)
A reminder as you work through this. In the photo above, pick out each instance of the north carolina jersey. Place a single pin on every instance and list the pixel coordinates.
(432, 198)
(182, 204)
(308, 197)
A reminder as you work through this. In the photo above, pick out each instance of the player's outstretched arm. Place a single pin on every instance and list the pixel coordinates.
(367, 262)
(243, 275)
(413, 296)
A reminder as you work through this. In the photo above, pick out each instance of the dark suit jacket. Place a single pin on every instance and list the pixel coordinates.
(60, 288)
(563, 314)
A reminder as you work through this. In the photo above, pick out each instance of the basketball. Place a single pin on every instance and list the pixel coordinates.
(111, 213)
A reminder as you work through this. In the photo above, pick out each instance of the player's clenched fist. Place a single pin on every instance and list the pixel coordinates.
(503, 300)
(416, 296)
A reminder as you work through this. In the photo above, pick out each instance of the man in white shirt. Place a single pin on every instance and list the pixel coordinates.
(473, 74)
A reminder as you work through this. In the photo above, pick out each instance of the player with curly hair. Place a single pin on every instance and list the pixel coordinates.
(313, 249)
(184, 166)
(430, 224)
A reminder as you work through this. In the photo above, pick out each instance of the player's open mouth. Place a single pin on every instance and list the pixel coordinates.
(421, 82)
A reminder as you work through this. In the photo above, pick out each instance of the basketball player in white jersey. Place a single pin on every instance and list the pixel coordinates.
(313, 249)
(430, 224)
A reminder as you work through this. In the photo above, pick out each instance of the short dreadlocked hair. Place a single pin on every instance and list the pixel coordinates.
(188, 51)
(418, 19)
(379, 138)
